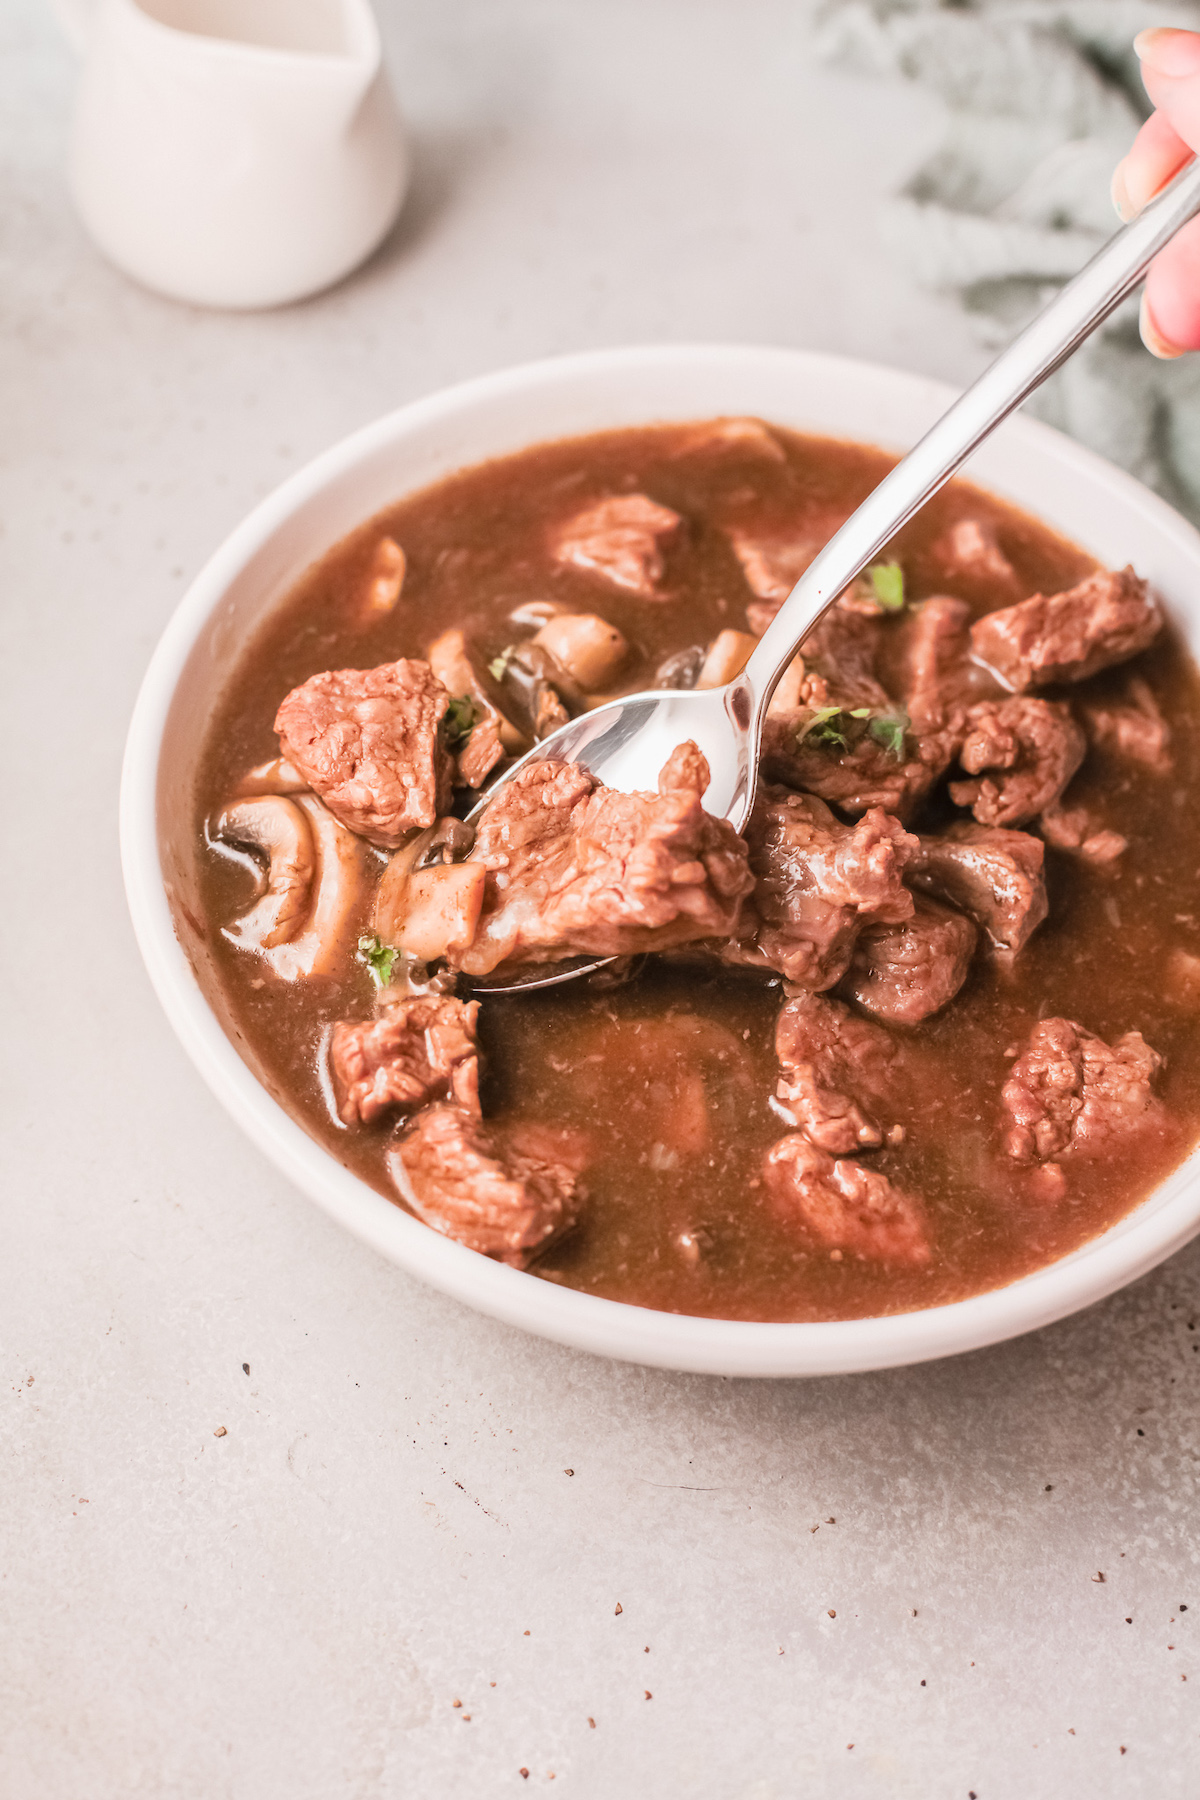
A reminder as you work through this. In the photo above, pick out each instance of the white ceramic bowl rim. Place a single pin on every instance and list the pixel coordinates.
(1164, 1222)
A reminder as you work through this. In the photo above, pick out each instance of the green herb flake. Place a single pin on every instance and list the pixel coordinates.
(377, 958)
(500, 663)
(822, 728)
(460, 720)
(887, 581)
(888, 729)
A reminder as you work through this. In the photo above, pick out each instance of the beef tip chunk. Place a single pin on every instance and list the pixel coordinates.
(1103, 620)
(970, 549)
(575, 867)
(477, 757)
(938, 677)
(993, 875)
(867, 773)
(422, 1048)
(843, 1205)
(732, 437)
(367, 741)
(1135, 730)
(832, 729)
(817, 883)
(506, 1191)
(842, 647)
(905, 973)
(1070, 1094)
(1024, 751)
(621, 539)
(837, 1074)
(774, 560)
(838, 659)
(1074, 828)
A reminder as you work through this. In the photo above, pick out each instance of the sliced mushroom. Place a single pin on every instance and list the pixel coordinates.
(441, 910)
(346, 868)
(428, 911)
(385, 578)
(317, 883)
(680, 669)
(389, 896)
(586, 646)
(727, 656)
(540, 686)
(533, 614)
(451, 662)
(278, 776)
(278, 828)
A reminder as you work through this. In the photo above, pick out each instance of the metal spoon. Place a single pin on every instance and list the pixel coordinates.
(626, 742)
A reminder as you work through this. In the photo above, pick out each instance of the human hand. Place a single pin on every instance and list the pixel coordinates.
(1170, 61)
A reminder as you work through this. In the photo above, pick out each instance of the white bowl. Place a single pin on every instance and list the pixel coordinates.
(1068, 487)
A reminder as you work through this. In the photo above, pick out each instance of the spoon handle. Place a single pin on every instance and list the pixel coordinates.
(1058, 330)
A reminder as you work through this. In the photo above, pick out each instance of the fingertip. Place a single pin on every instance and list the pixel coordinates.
(1168, 51)
(1125, 208)
(1152, 337)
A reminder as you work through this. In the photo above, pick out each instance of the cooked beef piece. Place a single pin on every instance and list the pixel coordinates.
(817, 882)
(740, 437)
(838, 663)
(1025, 752)
(970, 549)
(994, 875)
(504, 1190)
(367, 740)
(842, 648)
(489, 734)
(1136, 730)
(475, 760)
(621, 539)
(574, 867)
(774, 561)
(422, 1048)
(867, 774)
(1071, 1094)
(1074, 828)
(838, 1073)
(905, 973)
(1066, 637)
(843, 1205)
(937, 673)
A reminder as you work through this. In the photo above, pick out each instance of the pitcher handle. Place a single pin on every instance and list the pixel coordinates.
(75, 21)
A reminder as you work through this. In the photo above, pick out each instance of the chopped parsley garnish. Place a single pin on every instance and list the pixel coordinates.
(831, 727)
(461, 717)
(887, 582)
(824, 725)
(499, 663)
(888, 729)
(821, 726)
(377, 958)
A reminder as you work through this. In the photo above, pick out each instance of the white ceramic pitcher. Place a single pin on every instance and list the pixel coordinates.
(235, 153)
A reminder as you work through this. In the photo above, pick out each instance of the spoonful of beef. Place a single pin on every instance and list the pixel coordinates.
(626, 743)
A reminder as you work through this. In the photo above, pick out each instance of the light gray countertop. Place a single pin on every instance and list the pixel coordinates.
(879, 1586)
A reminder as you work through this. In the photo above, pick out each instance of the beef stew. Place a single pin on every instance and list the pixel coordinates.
(933, 1023)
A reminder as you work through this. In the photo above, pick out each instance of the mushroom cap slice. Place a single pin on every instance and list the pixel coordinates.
(588, 647)
(278, 776)
(346, 869)
(278, 828)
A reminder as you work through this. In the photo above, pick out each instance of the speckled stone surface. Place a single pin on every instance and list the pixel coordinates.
(635, 1583)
